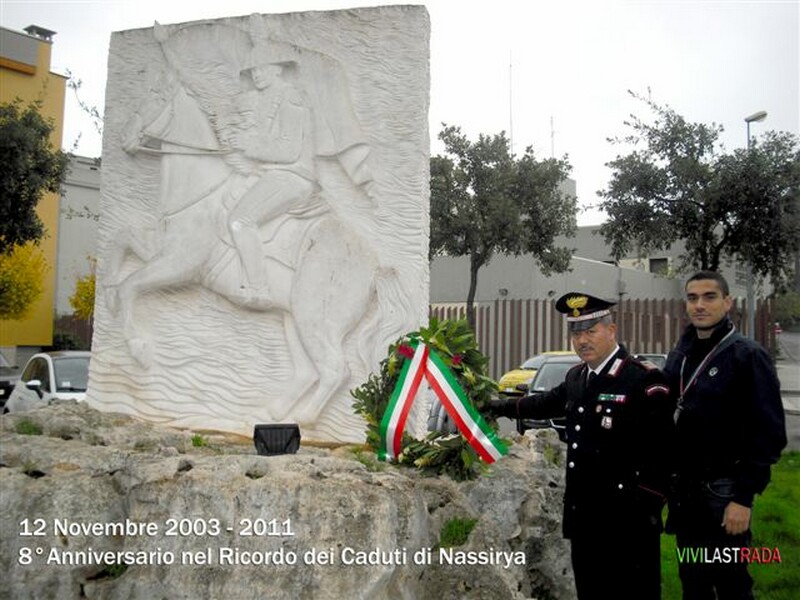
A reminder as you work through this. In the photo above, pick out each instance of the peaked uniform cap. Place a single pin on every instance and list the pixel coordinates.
(583, 311)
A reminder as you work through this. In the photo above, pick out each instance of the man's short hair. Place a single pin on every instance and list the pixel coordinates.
(607, 320)
(721, 281)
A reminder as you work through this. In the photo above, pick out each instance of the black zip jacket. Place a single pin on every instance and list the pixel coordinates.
(730, 422)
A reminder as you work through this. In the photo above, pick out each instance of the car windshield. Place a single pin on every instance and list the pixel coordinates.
(550, 375)
(72, 374)
(658, 360)
(533, 362)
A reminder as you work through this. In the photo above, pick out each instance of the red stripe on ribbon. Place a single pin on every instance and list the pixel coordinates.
(408, 401)
(462, 426)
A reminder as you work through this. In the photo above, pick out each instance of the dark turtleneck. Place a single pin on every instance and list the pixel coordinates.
(700, 347)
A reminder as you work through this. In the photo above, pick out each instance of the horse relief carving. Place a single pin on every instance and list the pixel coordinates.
(263, 200)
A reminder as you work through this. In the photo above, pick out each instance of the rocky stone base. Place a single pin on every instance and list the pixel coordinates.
(103, 506)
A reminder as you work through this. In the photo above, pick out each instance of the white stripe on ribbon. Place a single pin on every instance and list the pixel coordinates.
(456, 407)
(397, 420)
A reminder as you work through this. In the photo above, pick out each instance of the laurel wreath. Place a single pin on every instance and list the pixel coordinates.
(439, 452)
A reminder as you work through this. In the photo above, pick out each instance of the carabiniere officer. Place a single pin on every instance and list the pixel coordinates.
(619, 424)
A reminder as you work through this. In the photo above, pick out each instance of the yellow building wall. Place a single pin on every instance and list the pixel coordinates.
(16, 81)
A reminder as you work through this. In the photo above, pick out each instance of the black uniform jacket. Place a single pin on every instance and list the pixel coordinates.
(618, 431)
(731, 423)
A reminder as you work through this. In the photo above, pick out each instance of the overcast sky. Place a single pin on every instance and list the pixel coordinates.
(553, 74)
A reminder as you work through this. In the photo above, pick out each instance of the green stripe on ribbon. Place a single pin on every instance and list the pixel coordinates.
(470, 422)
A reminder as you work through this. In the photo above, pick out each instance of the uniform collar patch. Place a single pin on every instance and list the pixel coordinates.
(615, 366)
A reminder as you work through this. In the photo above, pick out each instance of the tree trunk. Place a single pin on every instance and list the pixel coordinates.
(474, 265)
(797, 272)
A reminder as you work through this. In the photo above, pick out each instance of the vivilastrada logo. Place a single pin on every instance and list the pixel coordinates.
(725, 555)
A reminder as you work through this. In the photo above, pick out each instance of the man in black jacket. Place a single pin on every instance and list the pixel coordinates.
(730, 429)
(619, 418)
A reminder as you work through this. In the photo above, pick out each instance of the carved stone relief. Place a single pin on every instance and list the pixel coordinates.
(264, 222)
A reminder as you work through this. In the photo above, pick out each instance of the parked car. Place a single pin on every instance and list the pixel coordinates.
(552, 371)
(9, 375)
(49, 376)
(658, 360)
(516, 381)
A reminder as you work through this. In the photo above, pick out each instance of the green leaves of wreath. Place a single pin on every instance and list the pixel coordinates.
(439, 452)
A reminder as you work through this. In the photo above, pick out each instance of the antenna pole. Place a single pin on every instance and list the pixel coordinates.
(510, 107)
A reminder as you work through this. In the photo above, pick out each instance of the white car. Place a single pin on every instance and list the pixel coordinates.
(48, 376)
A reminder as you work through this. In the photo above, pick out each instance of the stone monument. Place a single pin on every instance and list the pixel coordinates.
(264, 216)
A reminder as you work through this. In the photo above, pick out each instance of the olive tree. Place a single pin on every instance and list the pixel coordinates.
(677, 183)
(485, 200)
(31, 168)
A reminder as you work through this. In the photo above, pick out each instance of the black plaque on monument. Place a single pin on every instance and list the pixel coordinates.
(273, 439)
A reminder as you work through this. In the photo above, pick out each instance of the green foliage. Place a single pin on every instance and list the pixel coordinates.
(368, 459)
(145, 445)
(485, 200)
(31, 167)
(552, 455)
(110, 571)
(64, 340)
(22, 271)
(82, 301)
(455, 532)
(31, 469)
(787, 309)
(438, 453)
(776, 523)
(27, 427)
(198, 441)
(676, 184)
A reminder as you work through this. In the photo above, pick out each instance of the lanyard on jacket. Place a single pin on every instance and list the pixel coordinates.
(724, 342)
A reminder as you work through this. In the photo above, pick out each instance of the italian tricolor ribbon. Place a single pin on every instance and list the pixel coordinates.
(427, 363)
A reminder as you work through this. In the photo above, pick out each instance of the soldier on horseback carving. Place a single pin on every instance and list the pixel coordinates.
(278, 137)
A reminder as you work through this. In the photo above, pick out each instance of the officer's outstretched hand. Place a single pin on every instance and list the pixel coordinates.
(502, 408)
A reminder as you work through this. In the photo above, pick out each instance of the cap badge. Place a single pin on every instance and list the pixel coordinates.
(576, 303)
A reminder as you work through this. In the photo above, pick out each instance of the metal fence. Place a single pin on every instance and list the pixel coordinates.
(510, 331)
(73, 332)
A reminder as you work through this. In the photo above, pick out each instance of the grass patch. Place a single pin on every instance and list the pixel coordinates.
(552, 455)
(198, 441)
(109, 571)
(776, 524)
(31, 469)
(145, 445)
(27, 427)
(368, 459)
(455, 532)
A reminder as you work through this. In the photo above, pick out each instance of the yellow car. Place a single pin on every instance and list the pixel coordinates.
(524, 374)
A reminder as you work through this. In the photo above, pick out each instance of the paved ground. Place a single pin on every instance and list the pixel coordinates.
(789, 374)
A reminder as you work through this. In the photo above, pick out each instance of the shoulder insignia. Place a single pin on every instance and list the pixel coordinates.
(657, 388)
(614, 370)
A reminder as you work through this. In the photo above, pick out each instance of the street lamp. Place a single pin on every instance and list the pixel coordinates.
(751, 306)
(754, 118)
